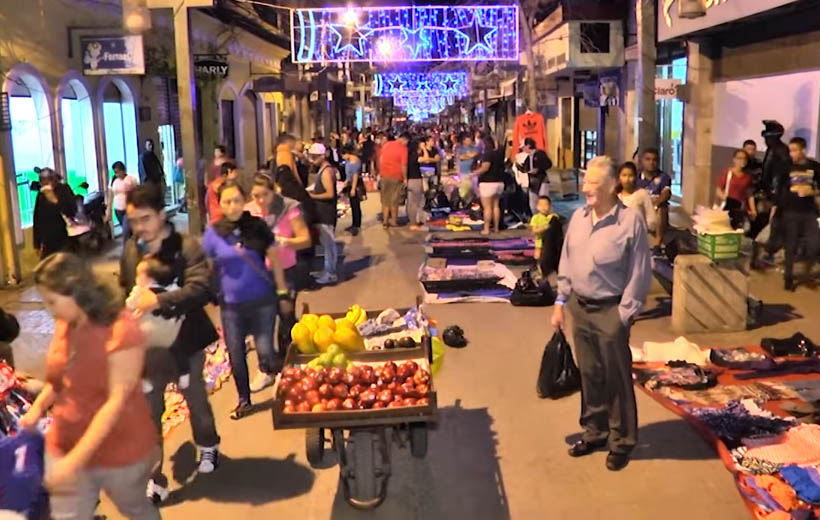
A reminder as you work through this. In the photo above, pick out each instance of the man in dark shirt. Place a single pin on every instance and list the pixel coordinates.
(538, 165)
(797, 199)
(150, 166)
(659, 186)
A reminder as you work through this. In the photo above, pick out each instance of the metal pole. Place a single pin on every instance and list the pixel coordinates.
(601, 142)
(187, 112)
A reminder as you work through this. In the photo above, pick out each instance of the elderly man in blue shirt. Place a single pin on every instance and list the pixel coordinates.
(603, 278)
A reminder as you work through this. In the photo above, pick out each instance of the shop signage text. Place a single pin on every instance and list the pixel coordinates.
(104, 55)
(666, 88)
(670, 25)
(211, 65)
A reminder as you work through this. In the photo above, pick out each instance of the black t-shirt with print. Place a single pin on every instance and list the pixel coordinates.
(801, 189)
(496, 171)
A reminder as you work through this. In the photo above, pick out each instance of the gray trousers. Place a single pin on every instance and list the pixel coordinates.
(160, 370)
(124, 486)
(415, 202)
(533, 197)
(608, 409)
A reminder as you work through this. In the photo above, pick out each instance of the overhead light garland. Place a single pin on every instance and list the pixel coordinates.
(456, 84)
(405, 34)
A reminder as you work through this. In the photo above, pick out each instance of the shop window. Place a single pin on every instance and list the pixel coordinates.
(120, 130)
(78, 137)
(228, 127)
(594, 38)
(670, 126)
(589, 146)
(31, 142)
(167, 139)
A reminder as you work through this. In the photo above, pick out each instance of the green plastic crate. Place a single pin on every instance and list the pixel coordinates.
(725, 246)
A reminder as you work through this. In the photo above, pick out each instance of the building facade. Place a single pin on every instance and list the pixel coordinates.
(68, 111)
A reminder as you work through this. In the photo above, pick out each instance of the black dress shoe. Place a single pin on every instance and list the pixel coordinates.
(581, 448)
(616, 461)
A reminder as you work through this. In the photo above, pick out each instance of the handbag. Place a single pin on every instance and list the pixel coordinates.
(558, 375)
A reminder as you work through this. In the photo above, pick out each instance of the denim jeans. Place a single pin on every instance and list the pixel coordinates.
(160, 369)
(125, 487)
(122, 218)
(243, 319)
(327, 237)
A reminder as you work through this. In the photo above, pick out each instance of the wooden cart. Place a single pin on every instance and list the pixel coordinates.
(362, 438)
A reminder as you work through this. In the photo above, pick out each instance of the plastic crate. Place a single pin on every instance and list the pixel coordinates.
(724, 246)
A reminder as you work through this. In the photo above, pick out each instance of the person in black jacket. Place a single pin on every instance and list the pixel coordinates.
(153, 235)
(55, 202)
(776, 166)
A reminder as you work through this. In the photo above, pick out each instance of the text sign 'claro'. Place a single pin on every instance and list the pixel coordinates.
(666, 88)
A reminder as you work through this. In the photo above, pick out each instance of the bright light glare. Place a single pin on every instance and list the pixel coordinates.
(384, 46)
(350, 17)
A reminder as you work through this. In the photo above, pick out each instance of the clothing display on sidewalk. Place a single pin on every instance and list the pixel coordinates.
(736, 421)
(782, 368)
(722, 394)
(805, 480)
(798, 445)
(679, 350)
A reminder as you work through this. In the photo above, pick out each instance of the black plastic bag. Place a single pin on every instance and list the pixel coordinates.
(559, 376)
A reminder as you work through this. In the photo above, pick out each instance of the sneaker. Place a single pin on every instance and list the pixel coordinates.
(261, 381)
(208, 459)
(156, 493)
(354, 231)
(327, 279)
(241, 410)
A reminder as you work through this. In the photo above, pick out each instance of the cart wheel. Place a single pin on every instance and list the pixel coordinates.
(365, 492)
(418, 440)
(315, 445)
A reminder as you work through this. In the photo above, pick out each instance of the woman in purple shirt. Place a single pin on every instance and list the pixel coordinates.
(238, 244)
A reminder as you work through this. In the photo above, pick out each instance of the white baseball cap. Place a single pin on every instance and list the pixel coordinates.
(317, 149)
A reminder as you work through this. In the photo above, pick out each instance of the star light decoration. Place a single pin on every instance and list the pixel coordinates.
(456, 84)
(409, 33)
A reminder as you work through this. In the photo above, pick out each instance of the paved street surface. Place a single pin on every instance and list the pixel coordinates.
(499, 451)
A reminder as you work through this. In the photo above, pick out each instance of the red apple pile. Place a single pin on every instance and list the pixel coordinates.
(361, 387)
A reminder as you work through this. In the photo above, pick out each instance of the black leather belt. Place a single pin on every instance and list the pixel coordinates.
(598, 302)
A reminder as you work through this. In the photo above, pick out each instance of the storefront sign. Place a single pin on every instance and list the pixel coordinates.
(211, 65)
(666, 88)
(671, 25)
(269, 84)
(103, 55)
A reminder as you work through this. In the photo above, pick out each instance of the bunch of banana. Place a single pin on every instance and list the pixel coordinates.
(356, 315)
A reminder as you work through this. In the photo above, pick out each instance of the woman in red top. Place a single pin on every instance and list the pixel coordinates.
(735, 192)
(101, 437)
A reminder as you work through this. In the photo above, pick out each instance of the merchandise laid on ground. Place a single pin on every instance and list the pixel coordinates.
(459, 220)
(358, 384)
(760, 406)
(458, 280)
(510, 251)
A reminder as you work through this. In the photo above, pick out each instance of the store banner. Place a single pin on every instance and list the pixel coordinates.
(105, 55)
(671, 25)
(610, 92)
(667, 88)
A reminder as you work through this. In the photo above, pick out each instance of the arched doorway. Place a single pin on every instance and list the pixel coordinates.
(250, 134)
(31, 138)
(120, 125)
(79, 140)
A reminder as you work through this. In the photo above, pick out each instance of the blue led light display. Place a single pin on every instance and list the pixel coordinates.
(456, 84)
(409, 33)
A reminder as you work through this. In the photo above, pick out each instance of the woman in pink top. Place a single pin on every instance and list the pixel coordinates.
(284, 216)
